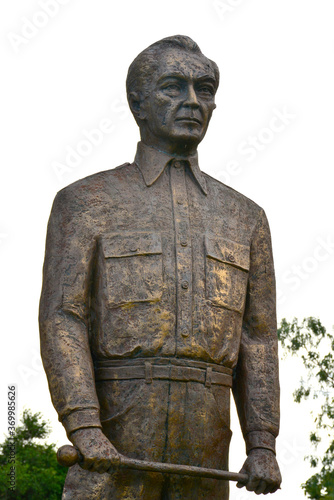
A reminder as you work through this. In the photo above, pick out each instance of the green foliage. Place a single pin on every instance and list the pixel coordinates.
(315, 346)
(38, 474)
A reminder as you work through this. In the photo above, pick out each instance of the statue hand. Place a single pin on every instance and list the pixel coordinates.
(98, 453)
(262, 469)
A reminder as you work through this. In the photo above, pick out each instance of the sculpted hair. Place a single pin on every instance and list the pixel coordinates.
(141, 69)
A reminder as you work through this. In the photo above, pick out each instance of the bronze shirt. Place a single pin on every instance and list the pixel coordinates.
(157, 259)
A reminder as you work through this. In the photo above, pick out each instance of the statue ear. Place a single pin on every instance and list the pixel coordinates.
(136, 105)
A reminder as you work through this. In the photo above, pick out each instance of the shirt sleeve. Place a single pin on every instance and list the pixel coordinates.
(256, 384)
(64, 312)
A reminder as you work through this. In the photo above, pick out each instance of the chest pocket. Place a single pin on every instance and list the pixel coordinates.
(227, 266)
(133, 264)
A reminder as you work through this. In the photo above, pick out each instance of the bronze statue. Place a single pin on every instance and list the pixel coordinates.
(158, 298)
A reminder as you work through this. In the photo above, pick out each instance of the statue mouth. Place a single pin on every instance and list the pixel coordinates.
(188, 119)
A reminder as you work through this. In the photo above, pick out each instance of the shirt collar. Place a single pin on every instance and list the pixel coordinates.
(152, 162)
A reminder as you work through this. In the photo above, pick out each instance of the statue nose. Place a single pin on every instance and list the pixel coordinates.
(191, 99)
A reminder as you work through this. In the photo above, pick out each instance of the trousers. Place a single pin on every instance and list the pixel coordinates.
(182, 422)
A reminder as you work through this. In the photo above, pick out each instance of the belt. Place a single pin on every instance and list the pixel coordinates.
(164, 369)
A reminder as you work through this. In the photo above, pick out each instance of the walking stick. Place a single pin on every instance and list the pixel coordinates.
(68, 455)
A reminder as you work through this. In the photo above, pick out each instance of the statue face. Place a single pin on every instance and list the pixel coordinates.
(180, 103)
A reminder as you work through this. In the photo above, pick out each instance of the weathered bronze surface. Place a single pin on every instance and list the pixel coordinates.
(158, 298)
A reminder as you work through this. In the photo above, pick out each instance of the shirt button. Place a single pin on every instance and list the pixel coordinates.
(185, 285)
(231, 258)
(177, 164)
(184, 243)
(180, 202)
(133, 249)
(185, 332)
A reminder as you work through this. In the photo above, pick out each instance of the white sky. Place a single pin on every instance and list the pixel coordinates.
(59, 79)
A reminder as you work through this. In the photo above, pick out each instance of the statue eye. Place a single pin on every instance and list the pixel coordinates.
(172, 88)
(206, 90)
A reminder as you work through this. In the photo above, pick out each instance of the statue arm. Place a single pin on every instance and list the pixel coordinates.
(64, 313)
(256, 385)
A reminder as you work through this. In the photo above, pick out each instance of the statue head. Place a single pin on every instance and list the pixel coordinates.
(171, 89)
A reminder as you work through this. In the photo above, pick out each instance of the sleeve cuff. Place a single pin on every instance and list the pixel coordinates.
(260, 439)
(80, 419)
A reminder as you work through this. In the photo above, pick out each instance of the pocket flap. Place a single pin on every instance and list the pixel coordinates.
(228, 251)
(131, 244)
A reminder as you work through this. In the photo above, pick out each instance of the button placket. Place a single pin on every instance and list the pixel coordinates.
(183, 250)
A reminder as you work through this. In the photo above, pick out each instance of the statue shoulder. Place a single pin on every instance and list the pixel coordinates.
(232, 196)
(88, 191)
